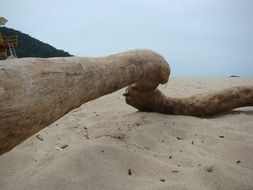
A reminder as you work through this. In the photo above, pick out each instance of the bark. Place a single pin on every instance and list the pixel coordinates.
(34, 92)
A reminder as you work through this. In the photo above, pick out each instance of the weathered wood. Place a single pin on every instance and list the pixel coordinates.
(196, 105)
(34, 92)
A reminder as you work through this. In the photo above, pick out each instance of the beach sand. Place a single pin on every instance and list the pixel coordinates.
(107, 145)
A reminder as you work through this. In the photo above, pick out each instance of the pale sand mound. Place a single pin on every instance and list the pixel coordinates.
(106, 144)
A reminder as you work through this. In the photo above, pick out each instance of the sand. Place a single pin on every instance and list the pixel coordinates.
(107, 145)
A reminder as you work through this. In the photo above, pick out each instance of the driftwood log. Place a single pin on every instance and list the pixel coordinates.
(34, 92)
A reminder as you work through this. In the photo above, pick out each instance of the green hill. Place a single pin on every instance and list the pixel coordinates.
(31, 47)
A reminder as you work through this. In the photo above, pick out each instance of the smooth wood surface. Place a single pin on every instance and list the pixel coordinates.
(34, 92)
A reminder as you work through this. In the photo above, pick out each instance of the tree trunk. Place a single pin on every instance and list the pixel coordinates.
(34, 92)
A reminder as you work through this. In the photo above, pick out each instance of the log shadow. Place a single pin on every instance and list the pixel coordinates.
(246, 111)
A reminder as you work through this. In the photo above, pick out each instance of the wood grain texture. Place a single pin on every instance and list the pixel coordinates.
(35, 92)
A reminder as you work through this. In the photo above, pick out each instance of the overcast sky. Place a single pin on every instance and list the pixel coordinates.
(197, 37)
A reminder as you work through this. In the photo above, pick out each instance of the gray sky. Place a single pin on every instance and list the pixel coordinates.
(197, 37)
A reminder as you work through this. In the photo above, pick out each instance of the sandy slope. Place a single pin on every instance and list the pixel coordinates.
(106, 144)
